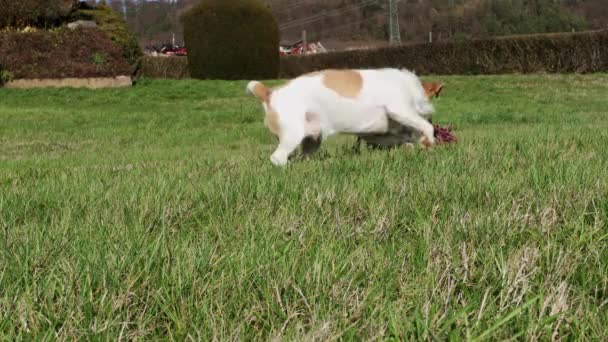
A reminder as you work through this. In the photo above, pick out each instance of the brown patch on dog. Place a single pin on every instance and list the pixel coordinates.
(272, 122)
(271, 119)
(261, 92)
(432, 89)
(347, 83)
(426, 142)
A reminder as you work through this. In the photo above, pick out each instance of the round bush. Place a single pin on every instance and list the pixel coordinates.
(231, 40)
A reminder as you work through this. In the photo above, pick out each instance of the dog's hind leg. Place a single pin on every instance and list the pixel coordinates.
(290, 137)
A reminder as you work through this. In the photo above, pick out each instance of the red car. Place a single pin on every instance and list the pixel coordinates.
(298, 48)
(294, 49)
(173, 50)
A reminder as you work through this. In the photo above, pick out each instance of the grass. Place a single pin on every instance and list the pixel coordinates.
(154, 212)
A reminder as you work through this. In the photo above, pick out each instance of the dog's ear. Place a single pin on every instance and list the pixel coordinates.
(259, 90)
(438, 88)
(432, 89)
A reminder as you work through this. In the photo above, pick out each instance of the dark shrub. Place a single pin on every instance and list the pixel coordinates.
(5, 76)
(60, 54)
(552, 53)
(117, 29)
(231, 39)
(41, 13)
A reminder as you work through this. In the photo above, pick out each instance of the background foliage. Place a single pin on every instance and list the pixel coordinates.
(40, 13)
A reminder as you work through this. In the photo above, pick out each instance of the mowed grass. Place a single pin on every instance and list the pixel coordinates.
(155, 213)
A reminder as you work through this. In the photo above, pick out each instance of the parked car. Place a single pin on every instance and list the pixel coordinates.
(166, 50)
(298, 48)
(173, 50)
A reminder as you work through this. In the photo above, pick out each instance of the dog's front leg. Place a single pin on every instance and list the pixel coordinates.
(409, 117)
(281, 154)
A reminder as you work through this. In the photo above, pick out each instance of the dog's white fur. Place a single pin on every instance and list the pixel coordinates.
(306, 107)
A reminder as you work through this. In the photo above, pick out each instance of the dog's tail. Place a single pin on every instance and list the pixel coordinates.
(259, 90)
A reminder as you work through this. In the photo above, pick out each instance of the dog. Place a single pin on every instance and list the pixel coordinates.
(314, 106)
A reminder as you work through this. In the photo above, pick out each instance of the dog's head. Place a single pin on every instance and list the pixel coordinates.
(432, 89)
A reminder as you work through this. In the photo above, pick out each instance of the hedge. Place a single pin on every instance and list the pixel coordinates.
(62, 53)
(543, 53)
(164, 67)
(551, 53)
(4, 76)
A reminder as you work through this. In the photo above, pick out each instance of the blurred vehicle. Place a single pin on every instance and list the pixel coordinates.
(167, 50)
(298, 48)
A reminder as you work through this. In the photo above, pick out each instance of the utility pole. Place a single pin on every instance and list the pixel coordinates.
(124, 9)
(393, 17)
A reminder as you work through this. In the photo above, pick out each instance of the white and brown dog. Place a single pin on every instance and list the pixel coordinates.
(361, 102)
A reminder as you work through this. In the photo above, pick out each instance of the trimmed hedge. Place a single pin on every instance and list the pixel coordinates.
(231, 39)
(164, 67)
(60, 54)
(5, 76)
(551, 53)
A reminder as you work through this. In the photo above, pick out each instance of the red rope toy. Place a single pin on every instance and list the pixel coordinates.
(444, 134)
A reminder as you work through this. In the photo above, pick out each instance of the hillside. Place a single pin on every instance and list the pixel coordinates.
(366, 20)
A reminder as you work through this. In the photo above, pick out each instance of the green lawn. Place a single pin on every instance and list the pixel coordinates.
(154, 212)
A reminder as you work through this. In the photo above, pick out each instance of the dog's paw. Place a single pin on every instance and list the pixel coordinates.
(427, 142)
(277, 160)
